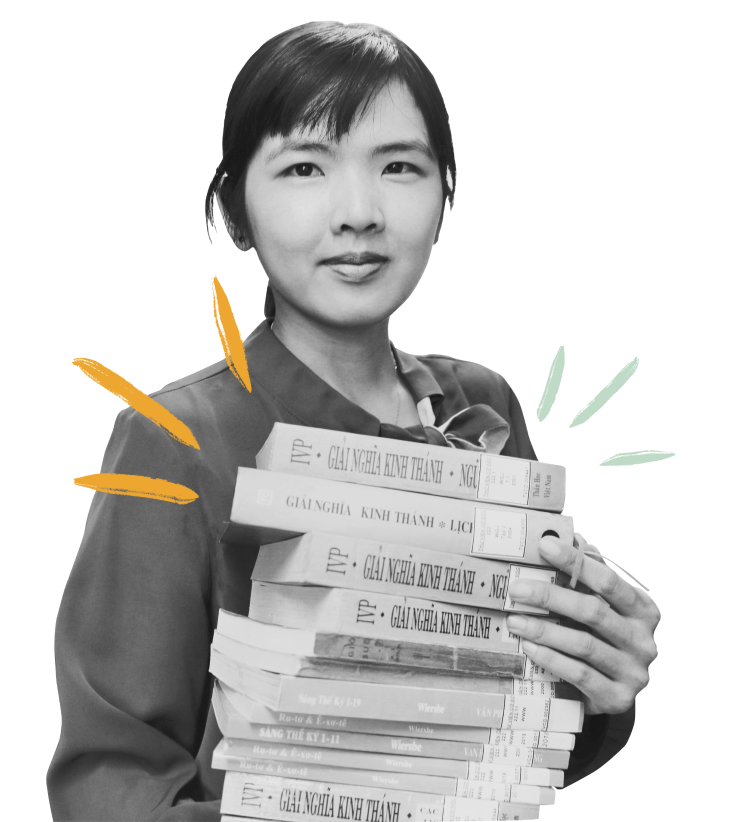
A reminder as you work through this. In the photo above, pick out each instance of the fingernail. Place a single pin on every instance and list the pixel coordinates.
(516, 623)
(519, 590)
(549, 549)
(529, 647)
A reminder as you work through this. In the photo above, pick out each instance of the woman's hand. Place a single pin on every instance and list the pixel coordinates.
(608, 662)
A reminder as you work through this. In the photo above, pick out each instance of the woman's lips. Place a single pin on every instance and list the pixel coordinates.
(355, 272)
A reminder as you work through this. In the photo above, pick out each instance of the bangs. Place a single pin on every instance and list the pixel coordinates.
(328, 85)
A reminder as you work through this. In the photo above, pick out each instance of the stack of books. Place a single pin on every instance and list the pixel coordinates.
(374, 677)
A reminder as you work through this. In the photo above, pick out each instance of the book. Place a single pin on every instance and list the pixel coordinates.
(397, 702)
(230, 720)
(269, 507)
(337, 561)
(310, 643)
(292, 665)
(234, 711)
(381, 616)
(420, 783)
(413, 466)
(239, 749)
(278, 798)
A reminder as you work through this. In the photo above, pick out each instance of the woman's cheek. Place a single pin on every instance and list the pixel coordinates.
(415, 216)
(297, 225)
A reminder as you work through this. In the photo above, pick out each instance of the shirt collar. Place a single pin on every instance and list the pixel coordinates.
(311, 400)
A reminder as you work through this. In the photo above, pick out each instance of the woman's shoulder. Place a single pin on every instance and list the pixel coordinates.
(213, 405)
(190, 394)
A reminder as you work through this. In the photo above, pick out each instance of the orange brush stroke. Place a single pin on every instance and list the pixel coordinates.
(142, 403)
(229, 333)
(132, 485)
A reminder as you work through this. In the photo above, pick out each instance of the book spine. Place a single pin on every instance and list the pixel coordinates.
(269, 506)
(363, 760)
(352, 670)
(409, 466)
(327, 773)
(253, 711)
(381, 616)
(453, 707)
(500, 792)
(533, 739)
(368, 565)
(374, 743)
(446, 658)
(268, 797)
(443, 658)
(527, 757)
(514, 774)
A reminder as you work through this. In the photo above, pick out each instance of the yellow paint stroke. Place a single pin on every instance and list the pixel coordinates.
(232, 342)
(132, 485)
(142, 403)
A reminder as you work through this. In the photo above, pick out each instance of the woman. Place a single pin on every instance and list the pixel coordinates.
(337, 164)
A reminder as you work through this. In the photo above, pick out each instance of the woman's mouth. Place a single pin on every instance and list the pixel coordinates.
(355, 272)
(356, 266)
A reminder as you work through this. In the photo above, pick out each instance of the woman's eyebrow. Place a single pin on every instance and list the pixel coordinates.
(321, 147)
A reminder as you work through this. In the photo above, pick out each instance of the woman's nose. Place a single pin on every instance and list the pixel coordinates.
(356, 206)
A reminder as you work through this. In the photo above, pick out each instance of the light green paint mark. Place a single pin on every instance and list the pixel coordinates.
(552, 385)
(620, 379)
(636, 457)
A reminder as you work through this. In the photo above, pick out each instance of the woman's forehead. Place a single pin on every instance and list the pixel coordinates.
(390, 117)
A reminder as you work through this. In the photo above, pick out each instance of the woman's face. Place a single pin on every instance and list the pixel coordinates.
(344, 229)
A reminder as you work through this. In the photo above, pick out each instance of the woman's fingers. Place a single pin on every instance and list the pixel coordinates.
(584, 608)
(624, 598)
(574, 643)
(602, 695)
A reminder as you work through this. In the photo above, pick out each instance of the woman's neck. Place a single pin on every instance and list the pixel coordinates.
(357, 362)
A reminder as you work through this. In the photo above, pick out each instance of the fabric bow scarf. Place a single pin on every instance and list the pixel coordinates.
(477, 428)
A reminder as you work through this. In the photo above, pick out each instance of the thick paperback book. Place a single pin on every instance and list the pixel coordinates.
(271, 797)
(382, 616)
(413, 466)
(366, 565)
(352, 671)
(399, 653)
(269, 507)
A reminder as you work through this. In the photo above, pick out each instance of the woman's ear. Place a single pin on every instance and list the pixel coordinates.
(234, 223)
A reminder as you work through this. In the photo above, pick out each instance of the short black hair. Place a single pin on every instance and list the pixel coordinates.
(323, 73)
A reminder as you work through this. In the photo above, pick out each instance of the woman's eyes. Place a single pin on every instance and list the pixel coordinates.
(304, 170)
(399, 167)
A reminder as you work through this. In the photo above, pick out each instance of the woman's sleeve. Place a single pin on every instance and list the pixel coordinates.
(132, 646)
(603, 735)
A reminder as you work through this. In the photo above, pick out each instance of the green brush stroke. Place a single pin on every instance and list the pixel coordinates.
(552, 385)
(620, 379)
(637, 457)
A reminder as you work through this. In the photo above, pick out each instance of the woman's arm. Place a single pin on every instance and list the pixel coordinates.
(132, 646)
